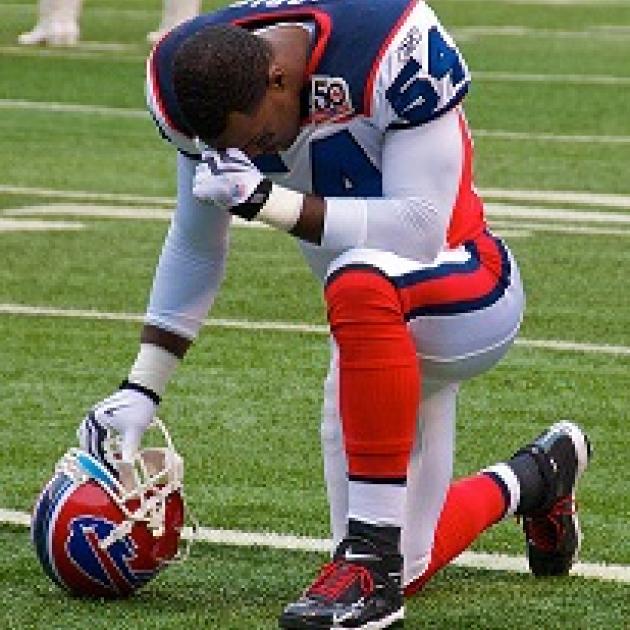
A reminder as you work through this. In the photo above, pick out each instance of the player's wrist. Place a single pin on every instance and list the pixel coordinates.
(151, 371)
(272, 204)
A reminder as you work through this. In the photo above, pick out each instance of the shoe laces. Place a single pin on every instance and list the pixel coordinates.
(547, 530)
(337, 577)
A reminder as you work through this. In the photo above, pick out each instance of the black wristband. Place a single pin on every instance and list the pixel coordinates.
(143, 390)
(249, 209)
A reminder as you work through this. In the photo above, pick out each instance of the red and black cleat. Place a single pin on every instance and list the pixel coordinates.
(360, 588)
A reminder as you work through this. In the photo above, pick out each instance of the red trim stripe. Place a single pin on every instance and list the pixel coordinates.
(322, 20)
(467, 220)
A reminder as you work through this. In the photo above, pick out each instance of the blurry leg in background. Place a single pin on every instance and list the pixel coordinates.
(174, 12)
(57, 24)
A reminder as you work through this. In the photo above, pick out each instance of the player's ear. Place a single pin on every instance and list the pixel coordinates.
(277, 77)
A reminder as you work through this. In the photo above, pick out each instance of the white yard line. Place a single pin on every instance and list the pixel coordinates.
(504, 211)
(50, 193)
(95, 51)
(51, 311)
(602, 32)
(555, 196)
(567, 3)
(543, 196)
(73, 108)
(526, 136)
(556, 214)
(486, 561)
(28, 225)
(497, 134)
(578, 79)
(506, 228)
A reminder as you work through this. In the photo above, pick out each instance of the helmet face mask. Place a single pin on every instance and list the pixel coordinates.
(103, 534)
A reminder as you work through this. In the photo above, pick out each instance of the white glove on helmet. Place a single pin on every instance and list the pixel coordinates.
(128, 413)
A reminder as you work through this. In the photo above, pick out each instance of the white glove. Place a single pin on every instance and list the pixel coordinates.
(231, 180)
(128, 412)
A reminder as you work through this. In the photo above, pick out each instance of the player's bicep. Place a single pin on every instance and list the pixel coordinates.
(425, 162)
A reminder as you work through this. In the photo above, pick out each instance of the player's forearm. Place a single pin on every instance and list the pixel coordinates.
(310, 224)
(408, 226)
(159, 355)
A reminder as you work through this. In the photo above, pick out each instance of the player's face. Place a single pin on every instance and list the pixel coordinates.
(273, 127)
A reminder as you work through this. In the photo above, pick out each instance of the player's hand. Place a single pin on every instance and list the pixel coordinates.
(128, 413)
(230, 179)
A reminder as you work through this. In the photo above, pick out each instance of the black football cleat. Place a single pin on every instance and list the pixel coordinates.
(552, 531)
(360, 588)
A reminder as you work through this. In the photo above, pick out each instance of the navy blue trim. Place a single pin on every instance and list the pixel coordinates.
(55, 492)
(472, 265)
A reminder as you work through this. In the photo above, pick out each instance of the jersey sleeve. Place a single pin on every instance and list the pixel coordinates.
(418, 75)
(192, 263)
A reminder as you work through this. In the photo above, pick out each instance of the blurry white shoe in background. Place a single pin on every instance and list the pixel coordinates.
(57, 24)
(173, 13)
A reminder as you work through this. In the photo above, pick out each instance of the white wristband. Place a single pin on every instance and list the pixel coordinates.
(153, 368)
(282, 209)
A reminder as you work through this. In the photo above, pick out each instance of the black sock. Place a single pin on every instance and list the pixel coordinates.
(386, 538)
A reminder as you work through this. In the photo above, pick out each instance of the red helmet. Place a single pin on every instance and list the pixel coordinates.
(99, 533)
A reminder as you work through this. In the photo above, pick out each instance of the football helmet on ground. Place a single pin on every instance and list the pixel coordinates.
(99, 533)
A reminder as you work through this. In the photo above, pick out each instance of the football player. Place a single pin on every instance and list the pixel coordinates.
(341, 123)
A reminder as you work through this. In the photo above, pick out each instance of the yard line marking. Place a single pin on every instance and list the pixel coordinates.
(544, 196)
(504, 211)
(498, 134)
(567, 3)
(28, 8)
(95, 212)
(603, 31)
(73, 108)
(102, 52)
(579, 79)
(555, 196)
(557, 214)
(503, 228)
(288, 542)
(27, 225)
(85, 194)
(240, 324)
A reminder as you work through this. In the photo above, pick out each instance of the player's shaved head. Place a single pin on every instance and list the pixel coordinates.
(219, 70)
